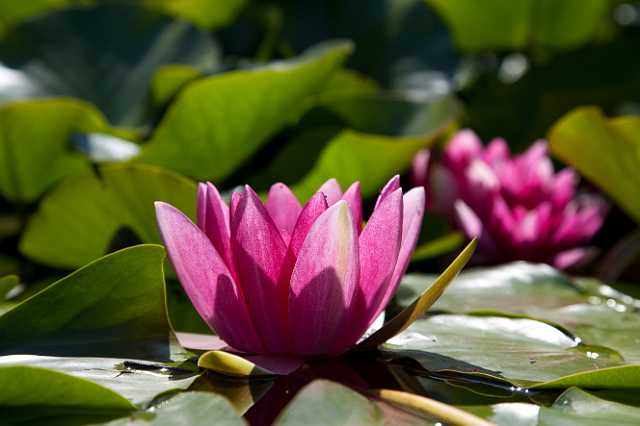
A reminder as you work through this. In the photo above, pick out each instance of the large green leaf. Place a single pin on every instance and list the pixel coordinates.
(324, 402)
(217, 122)
(521, 351)
(114, 306)
(15, 12)
(87, 59)
(136, 380)
(34, 157)
(89, 214)
(605, 151)
(193, 408)
(204, 13)
(497, 24)
(33, 395)
(576, 407)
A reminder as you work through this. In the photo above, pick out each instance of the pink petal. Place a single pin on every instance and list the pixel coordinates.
(213, 219)
(323, 282)
(354, 199)
(564, 187)
(331, 189)
(201, 342)
(473, 227)
(206, 279)
(420, 168)
(463, 147)
(392, 185)
(280, 365)
(311, 211)
(496, 151)
(379, 246)
(413, 204)
(574, 258)
(444, 190)
(259, 252)
(284, 209)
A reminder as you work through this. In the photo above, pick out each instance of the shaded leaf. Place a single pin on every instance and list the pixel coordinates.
(204, 13)
(87, 59)
(114, 306)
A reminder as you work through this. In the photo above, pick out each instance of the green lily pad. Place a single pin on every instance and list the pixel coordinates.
(605, 151)
(496, 24)
(576, 407)
(217, 122)
(114, 306)
(192, 408)
(37, 396)
(82, 218)
(325, 402)
(520, 351)
(138, 381)
(32, 158)
(204, 13)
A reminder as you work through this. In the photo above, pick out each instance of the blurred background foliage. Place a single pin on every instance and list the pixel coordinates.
(109, 105)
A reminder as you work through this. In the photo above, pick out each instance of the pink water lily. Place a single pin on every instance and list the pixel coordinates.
(281, 278)
(516, 206)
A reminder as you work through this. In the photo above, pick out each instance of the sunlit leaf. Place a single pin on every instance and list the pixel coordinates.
(605, 151)
(90, 214)
(217, 122)
(32, 158)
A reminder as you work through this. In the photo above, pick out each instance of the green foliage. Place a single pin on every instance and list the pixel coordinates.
(35, 157)
(200, 138)
(605, 151)
(90, 214)
(517, 24)
(117, 303)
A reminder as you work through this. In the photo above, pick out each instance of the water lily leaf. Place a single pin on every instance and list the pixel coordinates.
(204, 13)
(230, 364)
(520, 351)
(88, 60)
(114, 306)
(410, 314)
(13, 13)
(82, 218)
(33, 395)
(518, 287)
(507, 413)
(32, 158)
(517, 24)
(192, 408)
(138, 381)
(169, 79)
(605, 151)
(325, 402)
(576, 407)
(616, 377)
(217, 122)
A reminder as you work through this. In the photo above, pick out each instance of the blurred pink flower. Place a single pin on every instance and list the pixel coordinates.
(515, 205)
(281, 278)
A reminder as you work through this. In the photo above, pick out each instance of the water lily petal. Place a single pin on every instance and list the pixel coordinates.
(259, 251)
(420, 168)
(331, 189)
(353, 197)
(284, 209)
(392, 185)
(324, 281)
(213, 219)
(206, 279)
